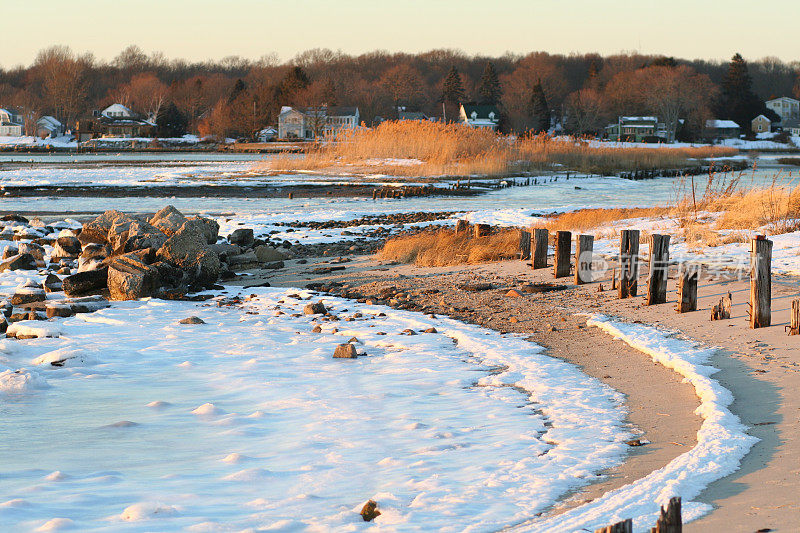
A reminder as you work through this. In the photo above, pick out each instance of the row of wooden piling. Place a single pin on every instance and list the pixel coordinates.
(534, 245)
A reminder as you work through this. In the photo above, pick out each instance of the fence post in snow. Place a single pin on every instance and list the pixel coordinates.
(659, 268)
(584, 249)
(541, 238)
(760, 282)
(628, 263)
(563, 251)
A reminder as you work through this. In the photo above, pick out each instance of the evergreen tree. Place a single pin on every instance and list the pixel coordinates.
(291, 84)
(490, 90)
(738, 102)
(238, 88)
(170, 122)
(538, 110)
(453, 89)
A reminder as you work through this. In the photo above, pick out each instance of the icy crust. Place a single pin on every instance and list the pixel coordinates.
(248, 422)
(722, 441)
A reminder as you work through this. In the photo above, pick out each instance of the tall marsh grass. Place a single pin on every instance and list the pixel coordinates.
(456, 150)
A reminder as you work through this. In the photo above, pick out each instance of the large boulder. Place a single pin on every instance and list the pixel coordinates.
(242, 236)
(68, 247)
(169, 220)
(93, 256)
(138, 235)
(19, 262)
(208, 227)
(268, 254)
(97, 230)
(130, 278)
(188, 250)
(36, 250)
(85, 282)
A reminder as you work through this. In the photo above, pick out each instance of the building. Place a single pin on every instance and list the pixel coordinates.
(785, 107)
(721, 129)
(405, 114)
(479, 116)
(266, 135)
(761, 124)
(637, 129)
(316, 122)
(119, 121)
(792, 127)
(10, 123)
(48, 126)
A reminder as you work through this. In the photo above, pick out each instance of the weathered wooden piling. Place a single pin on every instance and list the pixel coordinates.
(563, 249)
(461, 225)
(584, 249)
(524, 245)
(760, 282)
(794, 320)
(628, 263)
(670, 520)
(659, 268)
(481, 230)
(626, 526)
(541, 238)
(291, 196)
(687, 288)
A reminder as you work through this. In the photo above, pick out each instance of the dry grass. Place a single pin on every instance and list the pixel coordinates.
(455, 150)
(444, 247)
(589, 219)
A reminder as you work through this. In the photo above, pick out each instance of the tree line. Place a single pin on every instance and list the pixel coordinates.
(237, 97)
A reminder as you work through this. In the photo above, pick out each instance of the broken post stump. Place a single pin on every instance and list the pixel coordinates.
(461, 225)
(722, 310)
(563, 249)
(687, 288)
(794, 320)
(541, 238)
(628, 263)
(670, 520)
(760, 282)
(524, 245)
(626, 526)
(659, 268)
(584, 248)
(482, 230)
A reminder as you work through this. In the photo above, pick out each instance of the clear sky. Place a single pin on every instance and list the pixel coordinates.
(212, 29)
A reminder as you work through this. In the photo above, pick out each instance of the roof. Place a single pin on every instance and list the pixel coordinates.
(118, 108)
(50, 121)
(721, 124)
(481, 111)
(791, 123)
(330, 111)
(761, 116)
(783, 98)
(411, 115)
(638, 119)
(10, 117)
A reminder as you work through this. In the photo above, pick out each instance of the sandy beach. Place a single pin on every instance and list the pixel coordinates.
(761, 367)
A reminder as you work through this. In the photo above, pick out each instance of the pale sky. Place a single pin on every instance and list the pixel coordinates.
(212, 29)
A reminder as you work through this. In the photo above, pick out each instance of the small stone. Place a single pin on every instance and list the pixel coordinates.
(430, 330)
(370, 511)
(242, 237)
(317, 329)
(409, 331)
(192, 320)
(513, 293)
(345, 351)
(315, 309)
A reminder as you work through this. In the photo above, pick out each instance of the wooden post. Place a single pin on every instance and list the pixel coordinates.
(628, 262)
(670, 519)
(794, 322)
(584, 248)
(562, 254)
(481, 230)
(626, 526)
(291, 196)
(524, 245)
(541, 238)
(760, 282)
(687, 288)
(659, 267)
(461, 225)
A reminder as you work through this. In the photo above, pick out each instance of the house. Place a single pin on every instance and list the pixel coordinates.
(785, 107)
(119, 121)
(792, 127)
(10, 123)
(479, 116)
(316, 122)
(48, 126)
(761, 124)
(266, 135)
(637, 129)
(721, 129)
(405, 114)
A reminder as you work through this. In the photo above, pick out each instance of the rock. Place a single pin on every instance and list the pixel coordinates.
(345, 351)
(188, 250)
(85, 282)
(130, 278)
(513, 293)
(315, 309)
(36, 250)
(66, 248)
(316, 329)
(59, 310)
(9, 252)
(476, 287)
(370, 511)
(207, 227)
(169, 275)
(192, 320)
(26, 295)
(247, 259)
(430, 330)
(19, 262)
(92, 256)
(52, 283)
(409, 331)
(242, 237)
(273, 266)
(138, 236)
(3, 325)
(267, 254)
(97, 230)
(169, 220)
(64, 271)
(224, 249)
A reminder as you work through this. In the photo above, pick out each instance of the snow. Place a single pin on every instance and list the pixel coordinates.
(462, 430)
(64, 141)
(722, 441)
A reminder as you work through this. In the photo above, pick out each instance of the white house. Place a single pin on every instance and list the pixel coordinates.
(10, 123)
(118, 120)
(479, 116)
(313, 122)
(792, 126)
(786, 108)
(48, 126)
